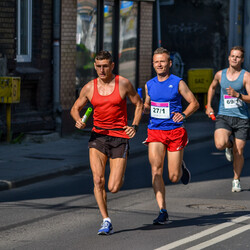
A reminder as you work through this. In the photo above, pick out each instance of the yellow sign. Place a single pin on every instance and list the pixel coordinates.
(10, 89)
(199, 80)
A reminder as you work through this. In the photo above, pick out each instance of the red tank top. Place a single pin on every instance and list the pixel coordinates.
(110, 112)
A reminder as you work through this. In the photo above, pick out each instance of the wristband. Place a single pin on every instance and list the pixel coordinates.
(184, 116)
(135, 127)
(240, 96)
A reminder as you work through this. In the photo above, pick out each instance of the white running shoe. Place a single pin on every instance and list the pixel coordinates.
(236, 186)
(229, 154)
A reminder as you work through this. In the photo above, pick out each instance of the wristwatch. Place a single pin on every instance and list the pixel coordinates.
(135, 127)
(240, 96)
(184, 116)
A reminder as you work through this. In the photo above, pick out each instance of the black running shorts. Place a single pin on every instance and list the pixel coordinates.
(113, 147)
(237, 126)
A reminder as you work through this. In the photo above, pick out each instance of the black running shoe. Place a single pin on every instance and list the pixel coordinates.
(162, 218)
(186, 175)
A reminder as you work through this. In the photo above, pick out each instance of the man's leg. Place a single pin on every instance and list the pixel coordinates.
(238, 162)
(156, 154)
(222, 141)
(221, 138)
(116, 176)
(238, 157)
(97, 163)
(175, 159)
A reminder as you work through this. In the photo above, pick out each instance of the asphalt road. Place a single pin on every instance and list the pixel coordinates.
(62, 213)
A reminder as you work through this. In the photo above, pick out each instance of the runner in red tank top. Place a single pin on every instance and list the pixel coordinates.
(110, 112)
(110, 135)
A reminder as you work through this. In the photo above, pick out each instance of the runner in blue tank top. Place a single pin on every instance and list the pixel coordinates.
(232, 119)
(165, 129)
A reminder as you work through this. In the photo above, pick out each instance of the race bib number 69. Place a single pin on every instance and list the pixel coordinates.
(160, 110)
(232, 102)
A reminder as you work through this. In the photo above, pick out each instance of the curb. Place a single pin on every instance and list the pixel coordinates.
(70, 170)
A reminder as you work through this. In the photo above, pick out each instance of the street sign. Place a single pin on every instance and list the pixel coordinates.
(10, 89)
(199, 80)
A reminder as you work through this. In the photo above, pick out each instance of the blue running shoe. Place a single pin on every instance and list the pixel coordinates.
(106, 228)
(162, 218)
(186, 175)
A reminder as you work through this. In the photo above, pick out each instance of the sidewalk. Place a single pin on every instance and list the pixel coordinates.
(45, 156)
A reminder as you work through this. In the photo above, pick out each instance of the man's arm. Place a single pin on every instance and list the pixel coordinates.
(136, 100)
(246, 81)
(211, 92)
(79, 104)
(146, 107)
(190, 98)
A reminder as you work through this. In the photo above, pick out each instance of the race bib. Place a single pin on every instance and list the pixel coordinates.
(232, 102)
(160, 110)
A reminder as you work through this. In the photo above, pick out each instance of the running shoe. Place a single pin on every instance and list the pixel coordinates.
(106, 228)
(236, 186)
(186, 175)
(229, 154)
(162, 218)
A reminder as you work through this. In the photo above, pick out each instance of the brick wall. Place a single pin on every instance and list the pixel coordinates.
(36, 76)
(42, 52)
(8, 31)
(145, 58)
(68, 62)
(68, 53)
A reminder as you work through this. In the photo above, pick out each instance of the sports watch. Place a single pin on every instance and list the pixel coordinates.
(184, 116)
(135, 127)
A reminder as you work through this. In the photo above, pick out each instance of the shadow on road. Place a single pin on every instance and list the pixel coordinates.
(201, 221)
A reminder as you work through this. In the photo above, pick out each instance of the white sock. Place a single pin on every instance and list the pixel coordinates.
(107, 219)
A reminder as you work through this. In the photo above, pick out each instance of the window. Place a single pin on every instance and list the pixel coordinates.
(24, 30)
(85, 41)
(108, 25)
(128, 40)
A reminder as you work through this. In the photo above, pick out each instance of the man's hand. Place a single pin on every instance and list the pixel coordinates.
(80, 125)
(130, 131)
(232, 92)
(178, 117)
(146, 109)
(209, 111)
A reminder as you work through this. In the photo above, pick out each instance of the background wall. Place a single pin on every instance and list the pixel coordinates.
(68, 61)
(198, 31)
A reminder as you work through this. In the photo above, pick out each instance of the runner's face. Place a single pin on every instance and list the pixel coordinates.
(104, 68)
(235, 58)
(161, 63)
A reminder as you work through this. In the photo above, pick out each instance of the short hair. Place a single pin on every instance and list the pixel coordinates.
(240, 48)
(104, 55)
(161, 50)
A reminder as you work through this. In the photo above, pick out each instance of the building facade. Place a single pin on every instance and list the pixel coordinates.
(51, 44)
(41, 43)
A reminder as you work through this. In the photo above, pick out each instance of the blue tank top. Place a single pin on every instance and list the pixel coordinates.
(231, 106)
(165, 99)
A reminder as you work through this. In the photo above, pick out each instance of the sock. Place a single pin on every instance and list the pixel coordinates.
(163, 210)
(107, 219)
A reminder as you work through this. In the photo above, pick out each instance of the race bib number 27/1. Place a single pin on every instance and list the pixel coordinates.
(160, 110)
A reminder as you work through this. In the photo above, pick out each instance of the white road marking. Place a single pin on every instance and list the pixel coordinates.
(220, 238)
(205, 233)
